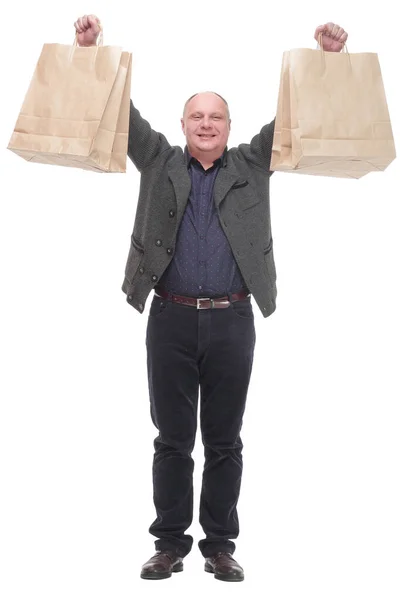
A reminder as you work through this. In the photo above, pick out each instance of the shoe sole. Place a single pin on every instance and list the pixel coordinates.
(227, 577)
(175, 569)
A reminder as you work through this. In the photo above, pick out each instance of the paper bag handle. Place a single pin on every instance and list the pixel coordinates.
(323, 51)
(320, 43)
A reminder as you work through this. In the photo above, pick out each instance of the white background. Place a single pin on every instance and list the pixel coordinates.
(320, 494)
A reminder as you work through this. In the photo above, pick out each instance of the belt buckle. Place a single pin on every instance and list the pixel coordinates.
(198, 300)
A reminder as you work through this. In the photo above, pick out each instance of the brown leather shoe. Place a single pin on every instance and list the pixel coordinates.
(224, 567)
(162, 565)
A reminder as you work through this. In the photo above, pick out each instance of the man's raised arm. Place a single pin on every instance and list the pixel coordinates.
(144, 144)
(259, 150)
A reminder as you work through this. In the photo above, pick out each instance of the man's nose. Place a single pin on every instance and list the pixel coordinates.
(206, 122)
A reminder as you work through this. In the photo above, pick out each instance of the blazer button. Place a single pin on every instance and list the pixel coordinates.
(141, 270)
(169, 251)
(154, 278)
(158, 243)
(171, 213)
(141, 307)
(130, 297)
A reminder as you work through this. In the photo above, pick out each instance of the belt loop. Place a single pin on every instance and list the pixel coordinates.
(230, 297)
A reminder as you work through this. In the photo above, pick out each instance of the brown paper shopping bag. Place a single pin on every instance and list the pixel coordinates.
(332, 116)
(76, 110)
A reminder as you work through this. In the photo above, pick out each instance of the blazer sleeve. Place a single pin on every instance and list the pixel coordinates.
(259, 151)
(144, 144)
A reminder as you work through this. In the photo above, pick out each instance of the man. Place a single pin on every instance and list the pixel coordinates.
(201, 238)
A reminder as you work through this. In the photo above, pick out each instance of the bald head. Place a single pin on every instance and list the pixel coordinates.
(205, 94)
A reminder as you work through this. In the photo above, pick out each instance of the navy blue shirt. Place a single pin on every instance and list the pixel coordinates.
(203, 264)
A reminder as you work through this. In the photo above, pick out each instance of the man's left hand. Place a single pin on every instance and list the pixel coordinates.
(333, 37)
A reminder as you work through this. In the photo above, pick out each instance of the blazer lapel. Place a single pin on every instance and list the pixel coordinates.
(180, 178)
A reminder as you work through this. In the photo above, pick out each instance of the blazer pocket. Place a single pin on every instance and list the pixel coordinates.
(269, 263)
(240, 184)
(247, 197)
(134, 257)
(136, 244)
(269, 247)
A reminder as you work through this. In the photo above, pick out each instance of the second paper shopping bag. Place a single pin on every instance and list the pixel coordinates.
(332, 115)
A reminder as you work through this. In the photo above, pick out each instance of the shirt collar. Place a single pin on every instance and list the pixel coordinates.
(222, 159)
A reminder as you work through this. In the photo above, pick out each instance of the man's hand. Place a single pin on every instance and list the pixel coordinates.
(88, 28)
(333, 37)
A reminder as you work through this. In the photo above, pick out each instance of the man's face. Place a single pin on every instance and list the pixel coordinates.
(206, 125)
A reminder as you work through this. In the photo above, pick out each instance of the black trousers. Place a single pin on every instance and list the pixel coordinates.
(187, 350)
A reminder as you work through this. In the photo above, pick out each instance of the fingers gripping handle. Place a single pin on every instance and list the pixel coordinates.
(99, 41)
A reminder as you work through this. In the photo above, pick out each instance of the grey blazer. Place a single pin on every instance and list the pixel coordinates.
(241, 195)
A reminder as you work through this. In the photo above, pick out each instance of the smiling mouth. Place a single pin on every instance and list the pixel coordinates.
(205, 136)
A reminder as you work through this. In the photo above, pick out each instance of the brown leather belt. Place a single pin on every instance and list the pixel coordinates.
(200, 303)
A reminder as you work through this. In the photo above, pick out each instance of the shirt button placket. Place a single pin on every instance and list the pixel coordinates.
(202, 250)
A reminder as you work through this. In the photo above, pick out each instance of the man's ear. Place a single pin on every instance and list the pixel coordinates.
(229, 122)
(183, 125)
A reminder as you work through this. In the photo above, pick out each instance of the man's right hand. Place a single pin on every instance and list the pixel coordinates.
(88, 28)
